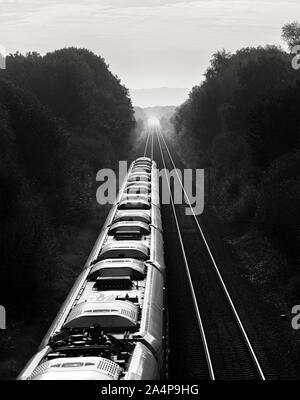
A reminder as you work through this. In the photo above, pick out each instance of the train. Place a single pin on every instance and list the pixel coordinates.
(113, 324)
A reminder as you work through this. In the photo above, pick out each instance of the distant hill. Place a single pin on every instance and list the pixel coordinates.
(163, 96)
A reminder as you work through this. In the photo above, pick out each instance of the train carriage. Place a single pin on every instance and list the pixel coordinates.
(112, 325)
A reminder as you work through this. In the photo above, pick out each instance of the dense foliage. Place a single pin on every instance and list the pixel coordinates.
(62, 117)
(242, 124)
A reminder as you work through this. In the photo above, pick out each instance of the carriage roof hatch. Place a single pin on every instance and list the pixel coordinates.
(141, 168)
(144, 162)
(140, 173)
(108, 315)
(139, 183)
(143, 159)
(138, 188)
(116, 267)
(134, 204)
(135, 197)
(129, 230)
(133, 215)
(125, 249)
(139, 178)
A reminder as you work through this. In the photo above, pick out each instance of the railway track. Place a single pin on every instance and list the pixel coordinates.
(148, 150)
(209, 339)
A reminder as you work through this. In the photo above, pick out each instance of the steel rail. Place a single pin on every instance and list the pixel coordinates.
(146, 145)
(152, 134)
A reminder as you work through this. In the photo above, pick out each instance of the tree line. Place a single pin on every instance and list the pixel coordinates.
(63, 116)
(242, 124)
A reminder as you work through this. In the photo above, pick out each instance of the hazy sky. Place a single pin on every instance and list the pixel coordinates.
(148, 43)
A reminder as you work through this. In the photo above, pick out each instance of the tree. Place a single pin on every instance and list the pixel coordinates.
(291, 34)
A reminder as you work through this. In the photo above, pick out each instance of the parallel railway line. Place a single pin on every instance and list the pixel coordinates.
(225, 345)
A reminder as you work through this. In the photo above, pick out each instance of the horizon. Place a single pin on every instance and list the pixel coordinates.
(156, 44)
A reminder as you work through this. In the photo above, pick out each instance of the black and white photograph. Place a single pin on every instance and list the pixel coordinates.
(149, 194)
